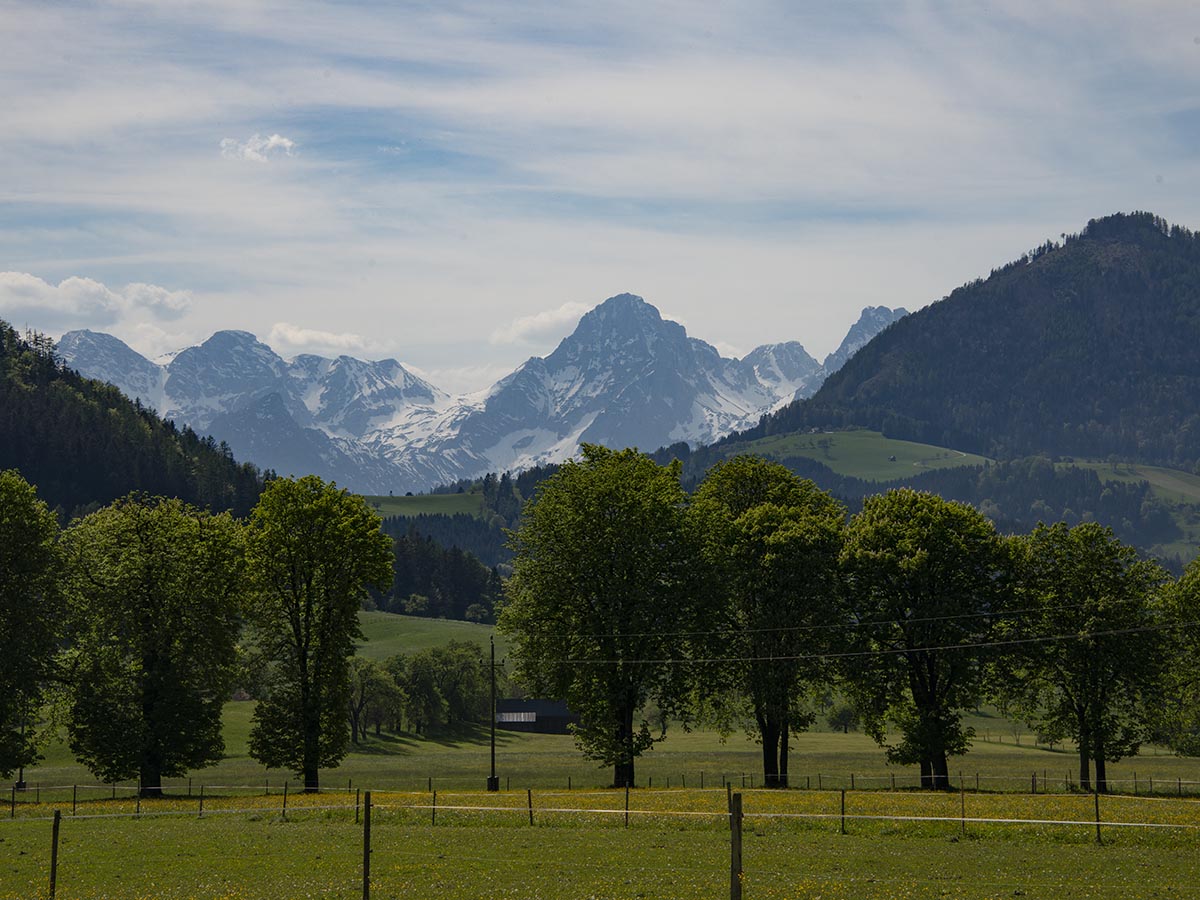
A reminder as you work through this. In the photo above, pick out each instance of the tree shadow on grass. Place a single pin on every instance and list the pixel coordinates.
(450, 736)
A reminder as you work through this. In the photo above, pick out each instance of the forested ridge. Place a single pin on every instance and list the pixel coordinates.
(83, 443)
(1085, 347)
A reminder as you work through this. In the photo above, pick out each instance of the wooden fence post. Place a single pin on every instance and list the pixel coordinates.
(366, 867)
(433, 810)
(54, 852)
(735, 847)
(1096, 793)
(529, 800)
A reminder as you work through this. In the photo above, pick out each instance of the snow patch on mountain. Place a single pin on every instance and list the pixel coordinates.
(624, 377)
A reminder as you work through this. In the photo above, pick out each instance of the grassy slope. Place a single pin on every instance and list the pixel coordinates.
(388, 634)
(469, 502)
(861, 454)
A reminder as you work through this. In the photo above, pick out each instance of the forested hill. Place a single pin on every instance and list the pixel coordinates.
(83, 444)
(1088, 348)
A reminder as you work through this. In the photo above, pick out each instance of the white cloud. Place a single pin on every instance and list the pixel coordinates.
(548, 324)
(258, 148)
(77, 302)
(287, 338)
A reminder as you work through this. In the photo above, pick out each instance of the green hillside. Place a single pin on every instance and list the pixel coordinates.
(389, 634)
(860, 454)
(83, 443)
(1085, 348)
(468, 502)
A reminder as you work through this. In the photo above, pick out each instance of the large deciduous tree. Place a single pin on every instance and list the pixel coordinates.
(29, 615)
(771, 542)
(1093, 652)
(156, 593)
(926, 582)
(601, 595)
(312, 551)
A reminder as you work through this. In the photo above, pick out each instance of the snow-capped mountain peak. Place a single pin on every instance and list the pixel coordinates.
(624, 377)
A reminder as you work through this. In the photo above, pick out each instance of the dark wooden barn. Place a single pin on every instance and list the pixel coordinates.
(543, 716)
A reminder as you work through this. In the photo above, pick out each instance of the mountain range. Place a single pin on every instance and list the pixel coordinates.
(624, 377)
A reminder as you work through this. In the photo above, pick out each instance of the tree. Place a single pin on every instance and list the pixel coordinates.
(926, 581)
(601, 595)
(30, 609)
(372, 692)
(1093, 657)
(312, 551)
(1178, 724)
(156, 594)
(772, 542)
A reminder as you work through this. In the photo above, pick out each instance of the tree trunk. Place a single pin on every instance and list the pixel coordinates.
(312, 752)
(149, 780)
(1101, 769)
(926, 774)
(623, 769)
(941, 771)
(783, 754)
(1085, 755)
(768, 730)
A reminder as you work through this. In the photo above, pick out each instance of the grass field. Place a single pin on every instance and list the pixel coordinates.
(469, 502)
(861, 454)
(675, 845)
(389, 634)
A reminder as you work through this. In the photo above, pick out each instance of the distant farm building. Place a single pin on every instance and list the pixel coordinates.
(542, 716)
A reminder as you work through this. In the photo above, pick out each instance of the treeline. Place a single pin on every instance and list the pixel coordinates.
(436, 581)
(85, 444)
(743, 600)
(1084, 348)
(132, 627)
(430, 690)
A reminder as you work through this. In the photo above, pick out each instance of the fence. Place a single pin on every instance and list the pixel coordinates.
(710, 808)
(1041, 781)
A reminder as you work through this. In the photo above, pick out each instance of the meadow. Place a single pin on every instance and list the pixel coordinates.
(862, 454)
(469, 502)
(676, 844)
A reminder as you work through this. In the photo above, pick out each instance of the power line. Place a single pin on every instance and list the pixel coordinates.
(851, 654)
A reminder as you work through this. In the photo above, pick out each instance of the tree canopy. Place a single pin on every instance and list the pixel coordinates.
(927, 580)
(601, 597)
(771, 542)
(156, 594)
(30, 615)
(1092, 654)
(312, 552)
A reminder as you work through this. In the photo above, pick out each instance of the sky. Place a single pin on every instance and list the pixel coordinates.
(453, 184)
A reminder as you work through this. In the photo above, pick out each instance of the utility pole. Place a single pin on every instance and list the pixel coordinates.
(493, 782)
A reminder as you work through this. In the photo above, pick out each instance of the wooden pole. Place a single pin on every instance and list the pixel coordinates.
(962, 796)
(1096, 793)
(54, 852)
(433, 810)
(735, 847)
(529, 800)
(366, 866)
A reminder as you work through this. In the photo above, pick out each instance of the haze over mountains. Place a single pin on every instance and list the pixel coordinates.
(624, 377)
